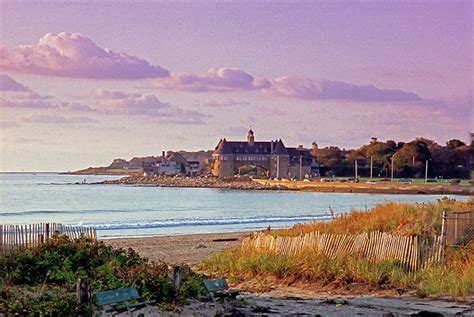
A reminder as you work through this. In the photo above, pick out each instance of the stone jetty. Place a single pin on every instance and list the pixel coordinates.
(195, 181)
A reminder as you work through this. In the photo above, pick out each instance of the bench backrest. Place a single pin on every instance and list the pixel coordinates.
(116, 296)
(216, 285)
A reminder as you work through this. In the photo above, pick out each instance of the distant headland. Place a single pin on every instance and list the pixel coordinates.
(420, 166)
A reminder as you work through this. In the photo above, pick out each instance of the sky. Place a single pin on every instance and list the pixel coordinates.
(84, 83)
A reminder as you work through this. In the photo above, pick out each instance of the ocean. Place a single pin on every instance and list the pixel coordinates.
(135, 211)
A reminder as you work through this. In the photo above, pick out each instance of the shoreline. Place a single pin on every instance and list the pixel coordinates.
(246, 183)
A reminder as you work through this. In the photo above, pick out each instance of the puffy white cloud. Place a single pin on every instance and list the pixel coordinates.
(216, 79)
(313, 89)
(233, 79)
(73, 55)
(119, 102)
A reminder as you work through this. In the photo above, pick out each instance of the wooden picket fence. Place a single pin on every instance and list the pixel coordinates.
(13, 237)
(412, 252)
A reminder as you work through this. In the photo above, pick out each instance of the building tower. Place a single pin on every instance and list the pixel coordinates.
(250, 137)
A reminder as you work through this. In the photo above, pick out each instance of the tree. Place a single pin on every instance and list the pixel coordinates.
(410, 160)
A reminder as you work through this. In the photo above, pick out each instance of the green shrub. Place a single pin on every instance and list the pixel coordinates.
(43, 280)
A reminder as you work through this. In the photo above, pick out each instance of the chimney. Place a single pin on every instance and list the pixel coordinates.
(163, 155)
(271, 146)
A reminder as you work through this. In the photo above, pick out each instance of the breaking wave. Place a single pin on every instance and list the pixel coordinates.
(204, 222)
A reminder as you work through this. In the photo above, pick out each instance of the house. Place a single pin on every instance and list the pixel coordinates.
(268, 158)
(172, 164)
(195, 167)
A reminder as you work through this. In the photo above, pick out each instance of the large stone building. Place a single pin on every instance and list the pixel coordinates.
(271, 158)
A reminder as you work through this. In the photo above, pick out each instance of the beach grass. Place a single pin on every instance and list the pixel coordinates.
(455, 279)
(422, 219)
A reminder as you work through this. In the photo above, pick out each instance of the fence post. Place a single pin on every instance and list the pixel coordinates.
(443, 238)
(84, 291)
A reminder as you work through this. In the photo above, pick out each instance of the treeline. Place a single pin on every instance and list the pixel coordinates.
(453, 160)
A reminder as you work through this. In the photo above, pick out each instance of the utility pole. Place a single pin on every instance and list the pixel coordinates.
(426, 172)
(371, 166)
(278, 166)
(355, 166)
(391, 177)
(301, 167)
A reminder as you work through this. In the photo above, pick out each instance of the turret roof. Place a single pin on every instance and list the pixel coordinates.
(223, 147)
(279, 148)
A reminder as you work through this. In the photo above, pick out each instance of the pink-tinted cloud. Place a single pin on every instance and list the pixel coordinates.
(16, 95)
(119, 102)
(233, 79)
(56, 119)
(312, 89)
(9, 84)
(227, 103)
(216, 79)
(74, 106)
(73, 55)
(27, 99)
(9, 124)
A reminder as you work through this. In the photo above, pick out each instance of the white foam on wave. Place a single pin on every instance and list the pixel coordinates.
(203, 222)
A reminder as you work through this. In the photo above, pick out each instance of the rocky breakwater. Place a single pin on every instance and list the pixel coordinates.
(194, 181)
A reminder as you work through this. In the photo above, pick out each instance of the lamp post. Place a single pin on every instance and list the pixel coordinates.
(391, 175)
(371, 166)
(355, 167)
(426, 171)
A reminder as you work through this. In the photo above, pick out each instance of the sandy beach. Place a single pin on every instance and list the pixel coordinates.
(187, 249)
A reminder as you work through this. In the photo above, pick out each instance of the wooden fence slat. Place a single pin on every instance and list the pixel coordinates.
(412, 252)
(13, 237)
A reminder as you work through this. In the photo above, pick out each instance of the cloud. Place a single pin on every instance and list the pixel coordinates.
(56, 119)
(27, 99)
(225, 103)
(9, 124)
(119, 102)
(9, 84)
(102, 101)
(233, 131)
(74, 106)
(296, 87)
(216, 79)
(313, 89)
(73, 55)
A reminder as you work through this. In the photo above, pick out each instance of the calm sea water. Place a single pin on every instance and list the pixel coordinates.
(123, 211)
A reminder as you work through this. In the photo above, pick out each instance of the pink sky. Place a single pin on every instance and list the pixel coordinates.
(84, 83)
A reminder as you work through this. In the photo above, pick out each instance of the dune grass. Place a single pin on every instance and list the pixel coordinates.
(455, 279)
(422, 219)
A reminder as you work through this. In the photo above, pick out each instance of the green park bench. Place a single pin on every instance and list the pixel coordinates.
(120, 299)
(219, 289)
